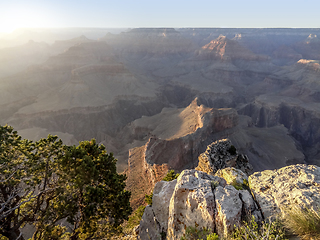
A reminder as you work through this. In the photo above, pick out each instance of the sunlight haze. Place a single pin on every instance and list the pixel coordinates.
(239, 14)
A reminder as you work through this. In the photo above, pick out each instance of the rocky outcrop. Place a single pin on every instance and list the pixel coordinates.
(280, 190)
(221, 202)
(192, 203)
(198, 200)
(221, 154)
(309, 48)
(157, 214)
(223, 48)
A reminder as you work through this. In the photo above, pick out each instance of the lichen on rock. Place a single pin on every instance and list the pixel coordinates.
(280, 190)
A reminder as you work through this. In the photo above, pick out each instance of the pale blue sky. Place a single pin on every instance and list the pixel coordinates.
(165, 13)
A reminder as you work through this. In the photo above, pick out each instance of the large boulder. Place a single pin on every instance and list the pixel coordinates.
(198, 200)
(154, 222)
(192, 203)
(279, 190)
(231, 201)
(229, 209)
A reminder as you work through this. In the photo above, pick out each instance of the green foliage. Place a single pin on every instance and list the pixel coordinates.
(212, 236)
(148, 198)
(241, 186)
(251, 230)
(134, 219)
(92, 190)
(232, 150)
(27, 180)
(237, 185)
(193, 233)
(171, 175)
(245, 184)
(305, 223)
(45, 181)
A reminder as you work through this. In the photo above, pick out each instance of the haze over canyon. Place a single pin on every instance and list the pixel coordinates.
(157, 97)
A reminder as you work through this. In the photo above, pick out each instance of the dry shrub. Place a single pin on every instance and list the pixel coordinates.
(303, 222)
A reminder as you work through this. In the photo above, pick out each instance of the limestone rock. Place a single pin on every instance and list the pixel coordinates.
(197, 200)
(155, 218)
(161, 200)
(291, 186)
(229, 206)
(149, 227)
(192, 203)
(221, 154)
(250, 207)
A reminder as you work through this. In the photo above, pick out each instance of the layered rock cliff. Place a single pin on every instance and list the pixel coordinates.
(178, 151)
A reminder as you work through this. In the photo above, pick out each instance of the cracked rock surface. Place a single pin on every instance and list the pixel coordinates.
(220, 202)
(198, 200)
(279, 190)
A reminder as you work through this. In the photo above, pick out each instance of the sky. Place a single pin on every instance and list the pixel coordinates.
(154, 13)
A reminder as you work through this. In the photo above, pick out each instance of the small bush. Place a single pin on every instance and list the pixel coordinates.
(237, 185)
(171, 175)
(213, 236)
(214, 184)
(148, 198)
(134, 219)
(193, 233)
(305, 223)
(251, 230)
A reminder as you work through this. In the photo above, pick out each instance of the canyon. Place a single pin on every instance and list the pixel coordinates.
(158, 97)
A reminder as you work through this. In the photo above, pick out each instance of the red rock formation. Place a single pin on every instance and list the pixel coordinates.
(223, 48)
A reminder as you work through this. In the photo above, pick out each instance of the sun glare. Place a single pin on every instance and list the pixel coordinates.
(23, 18)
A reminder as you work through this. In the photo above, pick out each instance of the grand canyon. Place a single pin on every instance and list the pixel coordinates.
(157, 97)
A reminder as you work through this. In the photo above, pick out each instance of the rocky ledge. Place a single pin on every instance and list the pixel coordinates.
(224, 200)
